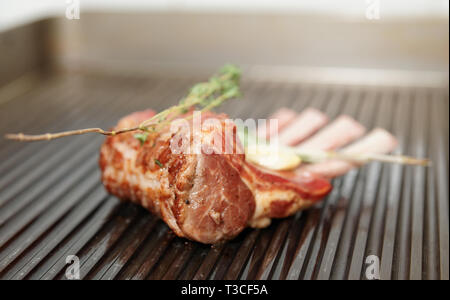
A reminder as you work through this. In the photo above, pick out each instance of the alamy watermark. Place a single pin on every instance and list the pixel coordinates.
(373, 267)
(73, 9)
(73, 270)
(373, 9)
(200, 134)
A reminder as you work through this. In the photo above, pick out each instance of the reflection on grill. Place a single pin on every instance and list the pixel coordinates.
(52, 203)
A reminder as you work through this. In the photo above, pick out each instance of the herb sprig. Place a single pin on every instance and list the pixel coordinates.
(283, 157)
(205, 95)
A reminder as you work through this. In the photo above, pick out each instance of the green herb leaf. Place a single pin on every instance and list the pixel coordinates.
(142, 137)
(205, 95)
(159, 163)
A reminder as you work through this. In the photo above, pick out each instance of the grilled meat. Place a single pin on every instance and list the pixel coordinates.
(207, 197)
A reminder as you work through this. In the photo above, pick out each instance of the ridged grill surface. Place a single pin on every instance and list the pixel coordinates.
(52, 203)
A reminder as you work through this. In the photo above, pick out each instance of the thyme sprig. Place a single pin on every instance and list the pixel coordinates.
(205, 96)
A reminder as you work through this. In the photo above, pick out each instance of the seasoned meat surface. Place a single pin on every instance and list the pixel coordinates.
(207, 196)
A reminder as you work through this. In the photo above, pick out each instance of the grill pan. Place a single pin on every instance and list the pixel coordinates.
(52, 203)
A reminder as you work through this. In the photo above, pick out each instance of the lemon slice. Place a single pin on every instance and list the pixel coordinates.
(272, 157)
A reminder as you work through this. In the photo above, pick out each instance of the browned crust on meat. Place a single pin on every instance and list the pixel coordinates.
(203, 197)
(200, 196)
